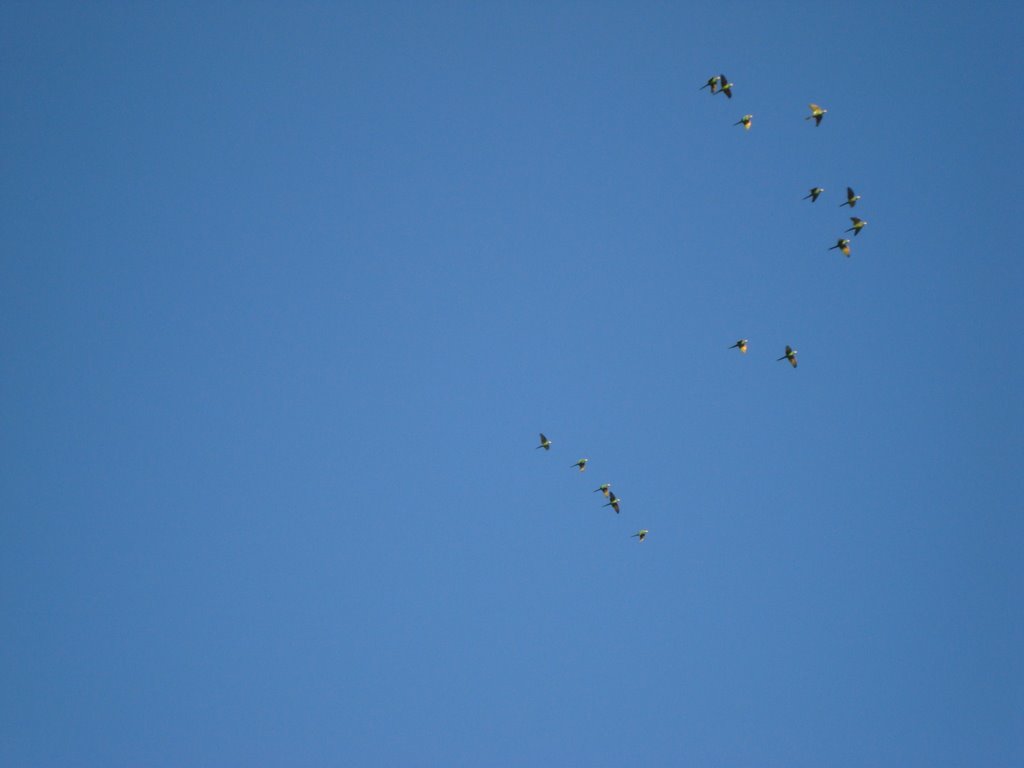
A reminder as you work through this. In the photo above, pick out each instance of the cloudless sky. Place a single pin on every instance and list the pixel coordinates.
(288, 291)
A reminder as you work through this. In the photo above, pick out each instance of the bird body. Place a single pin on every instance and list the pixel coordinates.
(745, 121)
(843, 245)
(858, 225)
(613, 502)
(816, 114)
(725, 86)
(741, 345)
(603, 488)
(641, 534)
(712, 83)
(790, 355)
(544, 443)
(582, 464)
(815, 192)
(851, 199)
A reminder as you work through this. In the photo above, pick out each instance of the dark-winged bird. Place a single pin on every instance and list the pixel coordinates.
(712, 83)
(544, 443)
(815, 191)
(790, 355)
(851, 199)
(641, 534)
(613, 502)
(741, 345)
(843, 245)
(858, 225)
(603, 489)
(582, 464)
(725, 86)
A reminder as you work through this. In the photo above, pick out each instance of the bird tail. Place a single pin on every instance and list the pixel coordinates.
(781, 358)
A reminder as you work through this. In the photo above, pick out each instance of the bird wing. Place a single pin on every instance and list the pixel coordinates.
(814, 108)
(849, 193)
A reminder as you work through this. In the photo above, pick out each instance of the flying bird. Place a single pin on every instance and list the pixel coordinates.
(641, 534)
(712, 83)
(858, 225)
(790, 355)
(741, 345)
(544, 443)
(851, 199)
(725, 86)
(745, 121)
(603, 489)
(843, 245)
(613, 502)
(816, 113)
(815, 191)
(582, 464)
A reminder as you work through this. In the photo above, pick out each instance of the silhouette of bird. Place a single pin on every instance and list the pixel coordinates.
(858, 225)
(613, 502)
(603, 489)
(712, 83)
(816, 114)
(641, 534)
(582, 464)
(725, 86)
(741, 345)
(843, 245)
(544, 443)
(815, 192)
(851, 199)
(745, 121)
(790, 355)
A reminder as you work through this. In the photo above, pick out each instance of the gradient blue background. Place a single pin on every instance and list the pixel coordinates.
(288, 291)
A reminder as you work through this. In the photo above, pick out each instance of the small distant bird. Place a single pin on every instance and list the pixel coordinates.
(544, 443)
(858, 225)
(641, 534)
(790, 355)
(582, 464)
(851, 199)
(725, 86)
(816, 113)
(843, 245)
(745, 121)
(613, 502)
(712, 83)
(741, 345)
(603, 489)
(815, 191)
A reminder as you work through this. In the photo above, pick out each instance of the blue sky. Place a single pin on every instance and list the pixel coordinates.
(287, 293)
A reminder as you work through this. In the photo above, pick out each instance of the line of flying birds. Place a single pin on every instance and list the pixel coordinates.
(604, 488)
(721, 84)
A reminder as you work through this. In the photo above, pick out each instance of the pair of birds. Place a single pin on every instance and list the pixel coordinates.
(604, 488)
(816, 114)
(790, 355)
(718, 83)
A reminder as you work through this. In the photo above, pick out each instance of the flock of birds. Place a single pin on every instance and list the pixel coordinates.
(605, 488)
(721, 84)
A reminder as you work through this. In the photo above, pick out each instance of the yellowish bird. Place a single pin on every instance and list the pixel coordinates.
(843, 245)
(741, 345)
(816, 114)
(745, 121)
(790, 355)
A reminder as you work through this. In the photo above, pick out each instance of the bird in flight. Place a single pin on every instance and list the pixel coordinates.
(816, 114)
(815, 191)
(858, 225)
(725, 86)
(582, 464)
(544, 443)
(603, 489)
(843, 245)
(741, 345)
(613, 502)
(712, 83)
(641, 534)
(790, 355)
(745, 121)
(851, 199)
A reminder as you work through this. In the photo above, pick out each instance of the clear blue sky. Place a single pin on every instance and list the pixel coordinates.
(287, 293)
